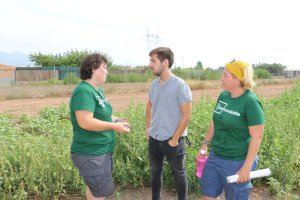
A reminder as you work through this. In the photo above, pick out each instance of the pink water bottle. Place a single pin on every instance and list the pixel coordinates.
(201, 160)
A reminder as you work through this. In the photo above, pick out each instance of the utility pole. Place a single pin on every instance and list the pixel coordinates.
(152, 40)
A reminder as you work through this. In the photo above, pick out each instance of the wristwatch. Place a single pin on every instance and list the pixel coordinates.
(205, 142)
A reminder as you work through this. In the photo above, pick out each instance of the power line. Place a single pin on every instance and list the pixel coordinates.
(152, 40)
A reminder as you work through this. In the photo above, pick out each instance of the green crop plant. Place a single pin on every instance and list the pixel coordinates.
(35, 151)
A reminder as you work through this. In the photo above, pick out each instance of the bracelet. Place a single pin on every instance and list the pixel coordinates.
(117, 120)
(205, 142)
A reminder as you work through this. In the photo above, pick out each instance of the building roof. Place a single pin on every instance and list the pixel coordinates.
(7, 67)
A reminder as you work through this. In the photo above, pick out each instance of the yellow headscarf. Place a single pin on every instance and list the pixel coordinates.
(237, 68)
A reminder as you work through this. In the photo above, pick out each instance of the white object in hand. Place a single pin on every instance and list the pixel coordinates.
(253, 174)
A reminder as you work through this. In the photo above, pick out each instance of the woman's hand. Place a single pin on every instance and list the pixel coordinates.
(122, 127)
(244, 174)
(203, 147)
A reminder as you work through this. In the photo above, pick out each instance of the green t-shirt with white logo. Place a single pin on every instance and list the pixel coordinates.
(232, 118)
(86, 97)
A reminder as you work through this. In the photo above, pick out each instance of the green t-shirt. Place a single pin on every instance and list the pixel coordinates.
(86, 97)
(232, 118)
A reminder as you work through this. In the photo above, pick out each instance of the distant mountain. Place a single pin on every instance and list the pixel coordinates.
(17, 59)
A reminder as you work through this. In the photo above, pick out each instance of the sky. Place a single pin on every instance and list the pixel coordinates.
(211, 31)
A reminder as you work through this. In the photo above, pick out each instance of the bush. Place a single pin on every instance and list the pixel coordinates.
(130, 77)
(260, 73)
(195, 74)
(71, 79)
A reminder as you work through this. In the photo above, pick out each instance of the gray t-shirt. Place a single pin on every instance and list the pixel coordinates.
(166, 100)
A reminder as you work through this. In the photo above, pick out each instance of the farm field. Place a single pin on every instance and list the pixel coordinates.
(47, 131)
(119, 95)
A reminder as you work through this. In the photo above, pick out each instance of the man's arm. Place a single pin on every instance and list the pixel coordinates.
(186, 109)
(148, 117)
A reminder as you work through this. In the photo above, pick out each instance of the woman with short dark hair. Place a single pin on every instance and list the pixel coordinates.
(94, 129)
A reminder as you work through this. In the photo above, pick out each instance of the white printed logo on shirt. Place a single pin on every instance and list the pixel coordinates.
(101, 101)
(221, 106)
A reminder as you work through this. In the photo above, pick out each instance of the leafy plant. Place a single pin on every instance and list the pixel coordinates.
(71, 79)
(35, 156)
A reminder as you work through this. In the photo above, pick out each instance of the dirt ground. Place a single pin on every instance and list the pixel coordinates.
(120, 101)
(145, 194)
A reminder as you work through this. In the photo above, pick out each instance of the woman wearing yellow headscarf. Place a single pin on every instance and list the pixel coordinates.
(235, 134)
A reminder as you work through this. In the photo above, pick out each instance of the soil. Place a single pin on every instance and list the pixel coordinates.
(145, 194)
(120, 101)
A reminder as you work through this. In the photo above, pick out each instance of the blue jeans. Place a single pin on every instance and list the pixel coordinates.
(175, 156)
(213, 180)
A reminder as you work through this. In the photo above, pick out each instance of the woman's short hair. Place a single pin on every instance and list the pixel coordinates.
(90, 62)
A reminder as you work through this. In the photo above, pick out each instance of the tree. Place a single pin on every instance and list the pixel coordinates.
(70, 58)
(199, 65)
(275, 68)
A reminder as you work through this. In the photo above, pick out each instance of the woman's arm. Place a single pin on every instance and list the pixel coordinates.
(86, 121)
(256, 133)
(208, 137)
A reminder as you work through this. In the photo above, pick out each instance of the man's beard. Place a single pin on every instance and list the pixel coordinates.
(160, 71)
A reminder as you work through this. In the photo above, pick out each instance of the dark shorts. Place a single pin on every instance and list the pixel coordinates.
(96, 172)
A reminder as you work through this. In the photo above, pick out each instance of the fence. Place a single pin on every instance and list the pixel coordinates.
(45, 73)
(127, 71)
(63, 71)
(292, 73)
(35, 75)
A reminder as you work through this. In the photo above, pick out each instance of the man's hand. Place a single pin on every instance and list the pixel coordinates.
(173, 142)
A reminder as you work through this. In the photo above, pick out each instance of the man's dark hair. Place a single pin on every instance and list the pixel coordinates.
(163, 53)
(90, 62)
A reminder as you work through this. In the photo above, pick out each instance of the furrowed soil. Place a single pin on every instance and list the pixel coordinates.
(121, 100)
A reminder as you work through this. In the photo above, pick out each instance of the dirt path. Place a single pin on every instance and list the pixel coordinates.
(121, 101)
(145, 194)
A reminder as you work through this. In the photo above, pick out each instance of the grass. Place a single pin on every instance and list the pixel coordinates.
(31, 92)
(199, 85)
(275, 81)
